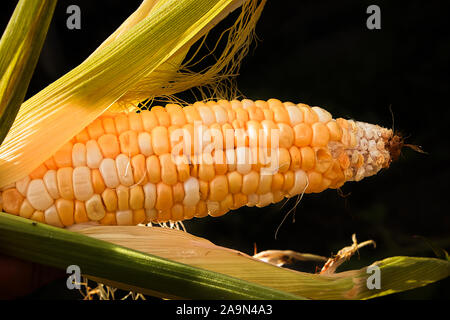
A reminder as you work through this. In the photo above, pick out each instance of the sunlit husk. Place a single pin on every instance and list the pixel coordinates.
(120, 71)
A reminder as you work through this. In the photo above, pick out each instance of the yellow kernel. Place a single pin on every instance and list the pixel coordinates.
(321, 135)
(201, 209)
(139, 216)
(289, 179)
(303, 135)
(309, 115)
(65, 210)
(95, 129)
(39, 172)
(168, 169)
(136, 198)
(161, 115)
(218, 188)
(314, 181)
(109, 145)
(135, 122)
(178, 192)
(108, 125)
(277, 181)
(286, 135)
(191, 114)
(149, 120)
(164, 199)
(63, 157)
(335, 130)
(250, 182)
(296, 158)
(153, 169)
(177, 212)
(176, 114)
(129, 143)
(80, 214)
(239, 200)
(160, 140)
(109, 198)
(203, 187)
(109, 219)
(121, 122)
(12, 201)
(139, 169)
(308, 158)
(123, 196)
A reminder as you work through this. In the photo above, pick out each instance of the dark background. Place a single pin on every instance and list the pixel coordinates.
(321, 53)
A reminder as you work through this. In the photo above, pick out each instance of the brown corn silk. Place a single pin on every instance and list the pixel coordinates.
(174, 163)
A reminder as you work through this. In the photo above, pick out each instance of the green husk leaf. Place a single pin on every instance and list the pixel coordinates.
(20, 47)
(396, 273)
(60, 248)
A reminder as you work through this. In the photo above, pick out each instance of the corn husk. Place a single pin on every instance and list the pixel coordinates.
(20, 46)
(130, 65)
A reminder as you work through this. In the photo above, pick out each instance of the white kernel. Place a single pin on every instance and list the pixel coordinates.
(145, 143)
(252, 200)
(109, 173)
(191, 192)
(324, 116)
(149, 196)
(265, 199)
(82, 183)
(52, 217)
(38, 196)
(94, 208)
(124, 170)
(300, 182)
(221, 114)
(93, 154)
(295, 115)
(22, 185)
(79, 155)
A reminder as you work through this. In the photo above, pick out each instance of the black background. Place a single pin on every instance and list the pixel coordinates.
(321, 53)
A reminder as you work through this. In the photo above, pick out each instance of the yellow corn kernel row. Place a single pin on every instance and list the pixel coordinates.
(122, 169)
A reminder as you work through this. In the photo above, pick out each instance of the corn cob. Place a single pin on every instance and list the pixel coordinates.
(176, 163)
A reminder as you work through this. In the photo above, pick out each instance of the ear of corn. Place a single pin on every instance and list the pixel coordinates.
(52, 117)
(75, 198)
(174, 163)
